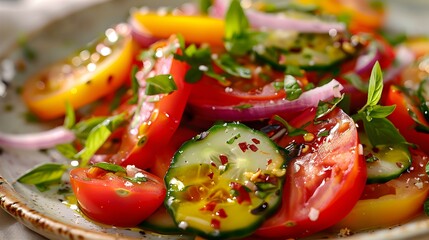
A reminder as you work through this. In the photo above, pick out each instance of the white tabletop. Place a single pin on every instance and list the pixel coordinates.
(18, 17)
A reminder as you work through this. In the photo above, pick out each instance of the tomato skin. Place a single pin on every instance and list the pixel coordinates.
(157, 121)
(403, 121)
(324, 182)
(47, 92)
(163, 158)
(391, 203)
(110, 199)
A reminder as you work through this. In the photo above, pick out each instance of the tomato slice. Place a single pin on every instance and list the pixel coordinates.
(324, 182)
(194, 29)
(112, 199)
(393, 202)
(152, 127)
(81, 78)
(164, 157)
(402, 119)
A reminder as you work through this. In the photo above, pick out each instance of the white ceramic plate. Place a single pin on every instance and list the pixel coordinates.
(44, 212)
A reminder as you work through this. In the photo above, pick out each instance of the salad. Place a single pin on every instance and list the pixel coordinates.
(228, 119)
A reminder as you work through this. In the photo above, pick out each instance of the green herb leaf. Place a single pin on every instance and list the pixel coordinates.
(375, 88)
(292, 88)
(381, 131)
(44, 175)
(70, 118)
(67, 150)
(421, 93)
(325, 107)
(134, 85)
(83, 128)
(235, 20)
(97, 137)
(95, 140)
(205, 6)
(378, 111)
(357, 82)
(110, 167)
(291, 131)
(243, 106)
(293, 70)
(160, 84)
(229, 65)
(426, 207)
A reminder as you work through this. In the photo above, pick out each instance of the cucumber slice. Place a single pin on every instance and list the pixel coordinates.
(386, 162)
(225, 182)
(307, 51)
(161, 222)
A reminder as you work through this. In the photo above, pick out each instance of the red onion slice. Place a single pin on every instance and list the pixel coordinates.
(404, 57)
(365, 62)
(264, 110)
(140, 35)
(279, 21)
(40, 140)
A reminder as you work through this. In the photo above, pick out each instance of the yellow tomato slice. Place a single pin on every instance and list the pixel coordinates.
(363, 17)
(394, 202)
(194, 29)
(83, 77)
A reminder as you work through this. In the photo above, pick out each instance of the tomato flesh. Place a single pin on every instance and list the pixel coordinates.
(112, 199)
(403, 121)
(393, 202)
(324, 182)
(157, 121)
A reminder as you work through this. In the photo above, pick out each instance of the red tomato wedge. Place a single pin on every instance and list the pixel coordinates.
(402, 119)
(156, 121)
(112, 199)
(324, 182)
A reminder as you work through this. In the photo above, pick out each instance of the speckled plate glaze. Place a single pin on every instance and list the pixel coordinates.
(46, 213)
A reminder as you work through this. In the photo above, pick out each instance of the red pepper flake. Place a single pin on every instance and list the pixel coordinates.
(221, 213)
(210, 175)
(253, 147)
(210, 206)
(240, 193)
(256, 141)
(243, 146)
(213, 164)
(109, 79)
(223, 159)
(215, 223)
(269, 162)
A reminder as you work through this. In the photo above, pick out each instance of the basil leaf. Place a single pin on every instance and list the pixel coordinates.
(44, 175)
(70, 118)
(291, 131)
(110, 167)
(98, 136)
(83, 128)
(229, 65)
(67, 150)
(134, 86)
(293, 70)
(424, 108)
(292, 88)
(325, 107)
(357, 82)
(193, 75)
(205, 6)
(378, 111)
(95, 140)
(381, 131)
(426, 207)
(160, 84)
(235, 20)
(375, 87)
